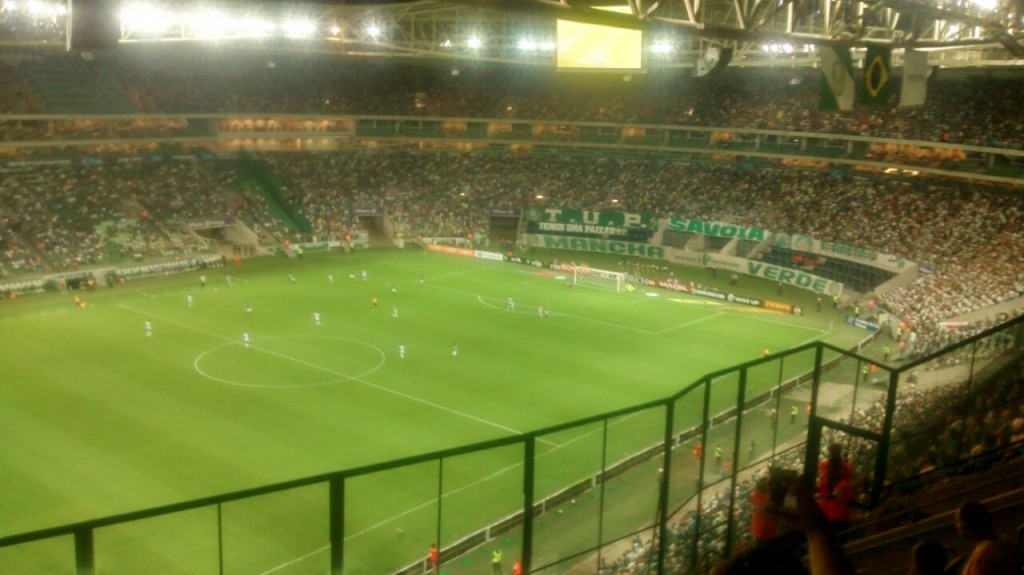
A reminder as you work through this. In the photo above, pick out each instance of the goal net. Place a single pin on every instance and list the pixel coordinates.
(591, 277)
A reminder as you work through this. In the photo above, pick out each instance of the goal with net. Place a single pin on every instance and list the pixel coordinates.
(592, 277)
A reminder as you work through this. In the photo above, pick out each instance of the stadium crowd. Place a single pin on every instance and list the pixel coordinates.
(984, 425)
(960, 234)
(979, 110)
(63, 217)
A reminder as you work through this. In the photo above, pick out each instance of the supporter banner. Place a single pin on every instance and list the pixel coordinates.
(210, 223)
(595, 245)
(455, 251)
(716, 229)
(489, 256)
(794, 277)
(368, 211)
(877, 75)
(838, 88)
(510, 212)
(914, 88)
(576, 221)
(837, 250)
(863, 324)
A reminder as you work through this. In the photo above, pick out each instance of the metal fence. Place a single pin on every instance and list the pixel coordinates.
(662, 483)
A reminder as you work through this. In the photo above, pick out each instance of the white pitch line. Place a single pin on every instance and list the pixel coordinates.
(427, 503)
(689, 323)
(336, 373)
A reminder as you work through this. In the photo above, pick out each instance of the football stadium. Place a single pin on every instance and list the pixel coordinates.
(464, 287)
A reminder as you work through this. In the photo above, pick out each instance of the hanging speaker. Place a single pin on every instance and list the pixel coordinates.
(93, 25)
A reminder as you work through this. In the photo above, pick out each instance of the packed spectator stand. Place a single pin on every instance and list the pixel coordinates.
(64, 217)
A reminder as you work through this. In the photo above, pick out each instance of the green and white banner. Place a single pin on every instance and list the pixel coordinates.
(587, 222)
(807, 244)
(595, 245)
(838, 89)
(717, 229)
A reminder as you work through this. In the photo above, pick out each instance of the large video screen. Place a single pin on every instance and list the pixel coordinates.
(596, 47)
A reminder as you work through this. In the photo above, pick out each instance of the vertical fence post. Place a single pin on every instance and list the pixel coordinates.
(85, 560)
(529, 480)
(666, 476)
(741, 398)
(337, 524)
(220, 538)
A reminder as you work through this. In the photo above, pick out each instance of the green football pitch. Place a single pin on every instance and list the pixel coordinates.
(100, 418)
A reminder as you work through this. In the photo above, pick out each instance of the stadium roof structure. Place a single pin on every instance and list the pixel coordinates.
(677, 33)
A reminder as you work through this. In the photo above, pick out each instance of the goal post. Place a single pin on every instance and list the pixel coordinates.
(592, 277)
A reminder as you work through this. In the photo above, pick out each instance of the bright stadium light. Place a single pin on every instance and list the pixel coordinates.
(986, 5)
(299, 28)
(373, 31)
(146, 19)
(10, 6)
(211, 24)
(335, 30)
(36, 8)
(547, 45)
(255, 27)
(527, 44)
(661, 48)
(474, 42)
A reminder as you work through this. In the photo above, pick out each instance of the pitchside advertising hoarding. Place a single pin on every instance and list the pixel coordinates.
(697, 259)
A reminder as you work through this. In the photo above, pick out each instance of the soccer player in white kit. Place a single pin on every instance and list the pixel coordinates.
(316, 318)
(149, 329)
(188, 298)
(401, 351)
(245, 340)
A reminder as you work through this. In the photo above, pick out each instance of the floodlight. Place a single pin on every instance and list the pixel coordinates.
(299, 28)
(661, 48)
(61, 9)
(255, 27)
(146, 19)
(210, 24)
(474, 42)
(373, 31)
(526, 44)
(10, 6)
(335, 30)
(985, 4)
(547, 45)
(36, 8)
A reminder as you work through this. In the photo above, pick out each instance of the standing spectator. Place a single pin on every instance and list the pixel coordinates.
(496, 562)
(762, 524)
(974, 523)
(435, 557)
(928, 558)
(835, 489)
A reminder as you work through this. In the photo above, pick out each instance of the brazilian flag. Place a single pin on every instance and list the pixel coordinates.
(876, 87)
